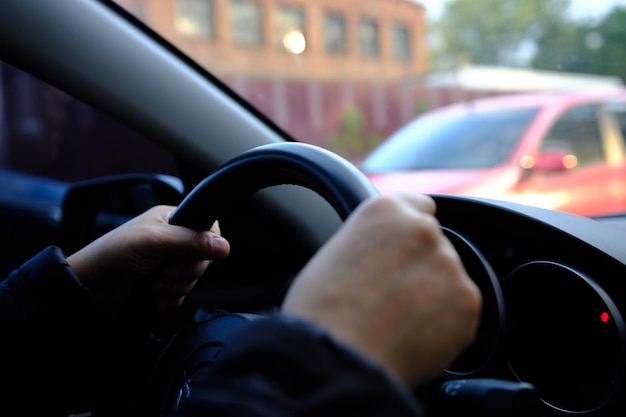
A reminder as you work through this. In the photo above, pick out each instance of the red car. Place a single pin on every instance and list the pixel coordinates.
(559, 150)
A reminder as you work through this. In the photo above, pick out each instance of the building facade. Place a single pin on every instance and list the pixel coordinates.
(326, 40)
(334, 73)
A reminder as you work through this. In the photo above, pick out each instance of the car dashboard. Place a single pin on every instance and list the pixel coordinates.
(553, 309)
(552, 336)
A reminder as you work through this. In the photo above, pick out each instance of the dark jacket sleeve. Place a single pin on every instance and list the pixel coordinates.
(59, 350)
(62, 355)
(282, 367)
(45, 288)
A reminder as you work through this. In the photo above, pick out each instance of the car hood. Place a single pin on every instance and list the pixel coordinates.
(483, 183)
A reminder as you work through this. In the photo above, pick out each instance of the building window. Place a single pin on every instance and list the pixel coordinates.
(401, 41)
(290, 27)
(368, 38)
(194, 18)
(335, 41)
(246, 22)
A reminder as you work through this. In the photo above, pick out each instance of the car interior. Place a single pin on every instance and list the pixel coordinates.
(552, 337)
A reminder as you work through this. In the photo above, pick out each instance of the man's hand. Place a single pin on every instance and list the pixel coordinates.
(391, 285)
(145, 246)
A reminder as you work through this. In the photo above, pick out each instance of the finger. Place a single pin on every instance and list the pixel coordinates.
(168, 288)
(178, 278)
(184, 271)
(215, 228)
(166, 240)
(422, 202)
(183, 243)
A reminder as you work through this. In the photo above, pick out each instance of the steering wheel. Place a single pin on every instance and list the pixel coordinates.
(320, 170)
(339, 182)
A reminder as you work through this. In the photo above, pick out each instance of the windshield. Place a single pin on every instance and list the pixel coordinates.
(348, 74)
(466, 141)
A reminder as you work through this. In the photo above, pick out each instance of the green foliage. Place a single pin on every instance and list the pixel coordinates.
(352, 140)
(587, 47)
(492, 32)
(421, 106)
(498, 32)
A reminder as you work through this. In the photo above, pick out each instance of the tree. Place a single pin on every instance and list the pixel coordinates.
(493, 32)
(353, 141)
(593, 48)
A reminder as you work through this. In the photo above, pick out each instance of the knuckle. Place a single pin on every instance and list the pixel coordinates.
(424, 228)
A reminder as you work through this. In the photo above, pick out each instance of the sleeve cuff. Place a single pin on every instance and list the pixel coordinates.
(53, 287)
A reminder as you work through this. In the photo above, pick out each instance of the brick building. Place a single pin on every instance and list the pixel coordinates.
(308, 64)
(347, 39)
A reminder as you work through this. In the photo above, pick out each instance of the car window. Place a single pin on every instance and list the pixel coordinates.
(618, 110)
(48, 133)
(348, 74)
(577, 131)
(471, 140)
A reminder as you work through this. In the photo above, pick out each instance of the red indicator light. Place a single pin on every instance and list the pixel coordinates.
(605, 317)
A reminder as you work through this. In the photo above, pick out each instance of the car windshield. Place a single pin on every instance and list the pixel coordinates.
(473, 140)
(347, 75)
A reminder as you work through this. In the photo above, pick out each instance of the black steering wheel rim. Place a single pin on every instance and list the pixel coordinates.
(335, 179)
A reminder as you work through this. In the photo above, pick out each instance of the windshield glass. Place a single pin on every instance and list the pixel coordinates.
(347, 74)
(467, 141)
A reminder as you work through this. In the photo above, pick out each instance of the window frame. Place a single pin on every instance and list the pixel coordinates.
(369, 48)
(330, 44)
(401, 42)
(247, 30)
(204, 29)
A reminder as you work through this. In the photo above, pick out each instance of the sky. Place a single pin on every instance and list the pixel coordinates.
(579, 8)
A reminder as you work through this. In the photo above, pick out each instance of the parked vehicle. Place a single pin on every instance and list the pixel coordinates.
(561, 150)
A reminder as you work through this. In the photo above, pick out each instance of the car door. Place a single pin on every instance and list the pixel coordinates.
(591, 179)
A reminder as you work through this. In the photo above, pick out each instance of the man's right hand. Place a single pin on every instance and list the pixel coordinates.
(392, 286)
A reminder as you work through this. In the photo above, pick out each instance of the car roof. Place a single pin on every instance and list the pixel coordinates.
(561, 98)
